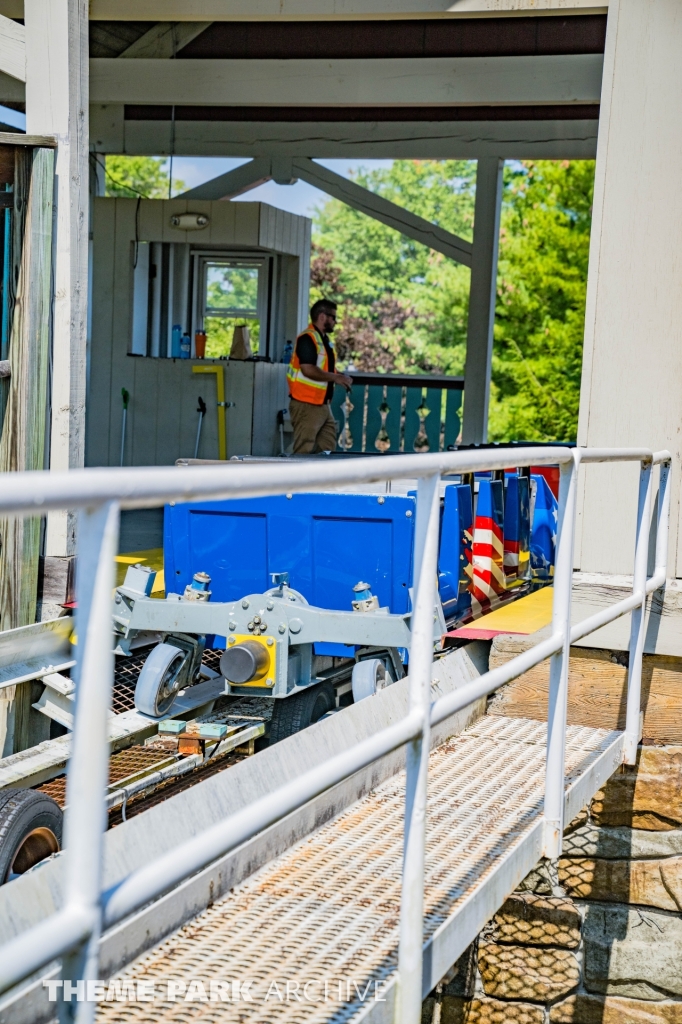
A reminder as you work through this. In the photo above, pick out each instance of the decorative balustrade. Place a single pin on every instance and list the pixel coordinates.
(398, 412)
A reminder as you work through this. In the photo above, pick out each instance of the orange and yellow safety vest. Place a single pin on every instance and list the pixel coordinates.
(302, 388)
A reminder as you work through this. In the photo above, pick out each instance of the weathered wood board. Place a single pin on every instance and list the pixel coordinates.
(597, 690)
(22, 445)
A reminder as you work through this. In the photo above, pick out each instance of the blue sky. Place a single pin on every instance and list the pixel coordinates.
(14, 118)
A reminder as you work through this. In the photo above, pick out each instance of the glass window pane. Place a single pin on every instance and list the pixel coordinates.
(231, 290)
(220, 332)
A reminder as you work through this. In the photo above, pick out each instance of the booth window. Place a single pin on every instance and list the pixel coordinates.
(231, 295)
(177, 290)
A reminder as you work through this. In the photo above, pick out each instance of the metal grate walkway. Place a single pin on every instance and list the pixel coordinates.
(327, 911)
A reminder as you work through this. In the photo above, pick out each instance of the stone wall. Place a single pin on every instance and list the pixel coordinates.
(600, 940)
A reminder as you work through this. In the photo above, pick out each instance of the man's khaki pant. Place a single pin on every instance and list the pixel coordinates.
(315, 428)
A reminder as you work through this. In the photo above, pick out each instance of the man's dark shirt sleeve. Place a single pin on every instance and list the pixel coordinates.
(306, 351)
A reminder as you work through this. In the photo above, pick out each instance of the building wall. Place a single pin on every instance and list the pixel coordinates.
(162, 416)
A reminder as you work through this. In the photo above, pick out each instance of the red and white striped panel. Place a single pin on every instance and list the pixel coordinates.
(488, 560)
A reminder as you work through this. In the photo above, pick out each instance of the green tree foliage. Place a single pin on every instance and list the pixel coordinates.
(232, 289)
(405, 308)
(145, 176)
(540, 313)
(220, 334)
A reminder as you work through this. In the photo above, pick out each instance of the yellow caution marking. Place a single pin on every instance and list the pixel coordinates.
(526, 615)
(153, 557)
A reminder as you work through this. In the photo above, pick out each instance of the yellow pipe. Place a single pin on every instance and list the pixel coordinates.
(219, 372)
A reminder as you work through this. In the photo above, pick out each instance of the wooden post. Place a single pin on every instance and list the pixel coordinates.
(632, 356)
(57, 94)
(482, 294)
(22, 445)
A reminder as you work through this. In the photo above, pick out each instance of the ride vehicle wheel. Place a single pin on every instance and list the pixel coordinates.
(368, 677)
(30, 830)
(159, 680)
(291, 714)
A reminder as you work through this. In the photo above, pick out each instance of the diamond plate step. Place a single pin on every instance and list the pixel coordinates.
(327, 911)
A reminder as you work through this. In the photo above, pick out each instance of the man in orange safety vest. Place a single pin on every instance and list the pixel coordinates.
(311, 379)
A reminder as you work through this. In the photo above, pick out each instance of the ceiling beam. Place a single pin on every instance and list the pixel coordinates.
(429, 81)
(394, 216)
(12, 90)
(250, 175)
(272, 10)
(12, 49)
(165, 39)
(402, 140)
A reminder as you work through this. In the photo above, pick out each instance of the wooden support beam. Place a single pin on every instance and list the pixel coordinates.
(165, 39)
(394, 216)
(482, 295)
(564, 139)
(631, 371)
(344, 83)
(57, 104)
(19, 139)
(296, 10)
(12, 48)
(11, 89)
(233, 183)
(409, 82)
(284, 170)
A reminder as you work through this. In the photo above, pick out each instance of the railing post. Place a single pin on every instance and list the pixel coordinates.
(637, 630)
(663, 520)
(88, 771)
(409, 995)
(558, 670)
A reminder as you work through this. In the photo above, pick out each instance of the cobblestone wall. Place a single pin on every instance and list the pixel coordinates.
(598, 938)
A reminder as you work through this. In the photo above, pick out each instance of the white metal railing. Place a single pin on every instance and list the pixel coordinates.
(73, 932)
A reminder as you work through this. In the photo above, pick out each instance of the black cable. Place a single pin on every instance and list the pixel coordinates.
(172, 149)
(137, 231)
(120, 184)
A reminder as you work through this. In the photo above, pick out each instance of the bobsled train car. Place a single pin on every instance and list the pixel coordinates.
(308, 596)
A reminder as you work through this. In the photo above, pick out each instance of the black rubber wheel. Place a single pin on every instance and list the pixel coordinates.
(30, 830)
(291, 714)
(160, 678)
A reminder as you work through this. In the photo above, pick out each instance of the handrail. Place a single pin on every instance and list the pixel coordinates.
(146, 487)
(443, 382)
(73, 932)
